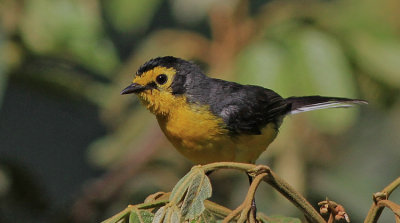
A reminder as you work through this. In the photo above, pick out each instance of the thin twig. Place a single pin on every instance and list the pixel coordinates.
(218, 210)
(375, 211)
(250, 196)
(391, 205)
(228, 165)
(276, 182)
(260, 173)
(293, 196)
(233, 214)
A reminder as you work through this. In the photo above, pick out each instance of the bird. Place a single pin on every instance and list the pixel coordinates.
(212, 120)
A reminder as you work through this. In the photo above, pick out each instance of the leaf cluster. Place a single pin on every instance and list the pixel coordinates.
(187, 201)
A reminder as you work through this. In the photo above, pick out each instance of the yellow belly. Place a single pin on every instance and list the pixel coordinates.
(200, 137)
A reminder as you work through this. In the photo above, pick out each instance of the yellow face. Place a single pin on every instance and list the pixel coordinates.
(153, 75)
(158, 98)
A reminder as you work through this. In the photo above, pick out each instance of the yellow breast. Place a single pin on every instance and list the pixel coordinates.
(201, 137)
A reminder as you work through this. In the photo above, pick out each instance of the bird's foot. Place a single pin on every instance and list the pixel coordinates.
(253, 210)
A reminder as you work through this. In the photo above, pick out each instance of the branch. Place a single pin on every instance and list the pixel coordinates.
(392, 206)
(375, 211)
(294, 197)
(245, 207)
(276, 182)
(242, 213)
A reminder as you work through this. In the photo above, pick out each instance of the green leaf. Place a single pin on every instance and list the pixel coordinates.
(160, 215)
(180, 188)
(187, 199)
(199, 190)
(167, 214)
(205, 217)
(145, 216)
(279, 219)
(192, 190)
(134, 218)
(173, 215)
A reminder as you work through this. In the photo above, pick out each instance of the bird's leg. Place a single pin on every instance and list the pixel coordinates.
(253, 202)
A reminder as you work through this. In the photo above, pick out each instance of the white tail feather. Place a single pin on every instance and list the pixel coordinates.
(324, 105)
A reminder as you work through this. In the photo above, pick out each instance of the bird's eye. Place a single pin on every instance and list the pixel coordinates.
(161, 79)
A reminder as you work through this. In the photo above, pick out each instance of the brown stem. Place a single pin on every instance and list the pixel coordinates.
(331, 218)
(276, 182)
(218, 210)
(375, 211)
(293, 196)
(250, 196)
(260, 173)
(391, 205)
(228, 165)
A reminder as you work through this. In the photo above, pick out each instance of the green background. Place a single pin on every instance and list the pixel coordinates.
(73, 150)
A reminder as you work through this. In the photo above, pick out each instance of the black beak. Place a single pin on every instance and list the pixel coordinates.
(133, 88)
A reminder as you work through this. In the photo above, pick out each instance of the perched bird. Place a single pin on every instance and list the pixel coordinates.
(210, 120)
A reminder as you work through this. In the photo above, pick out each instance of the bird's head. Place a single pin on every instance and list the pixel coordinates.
(161, 83)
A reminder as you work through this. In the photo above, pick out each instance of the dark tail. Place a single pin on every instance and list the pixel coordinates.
(309, 103)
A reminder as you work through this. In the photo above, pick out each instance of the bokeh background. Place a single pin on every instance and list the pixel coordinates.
(73, 150)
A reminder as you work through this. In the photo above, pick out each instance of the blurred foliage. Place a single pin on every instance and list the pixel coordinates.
(89, 50)
(128, 17)
(74, 32)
